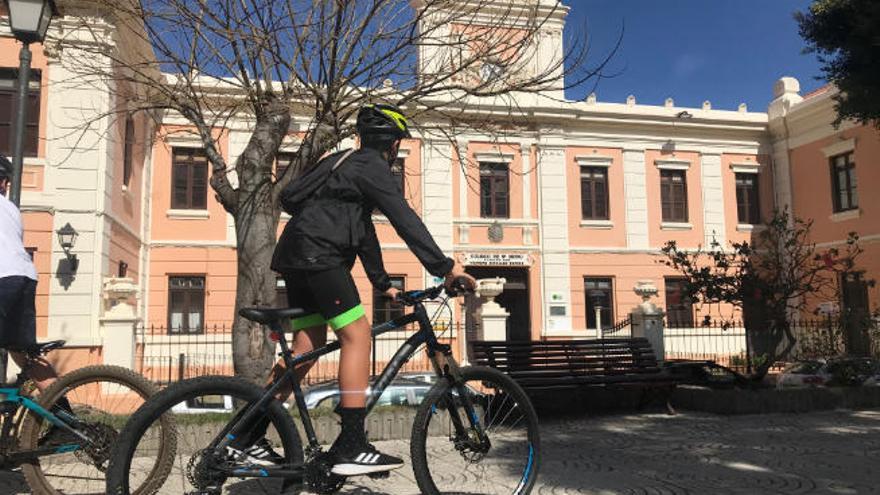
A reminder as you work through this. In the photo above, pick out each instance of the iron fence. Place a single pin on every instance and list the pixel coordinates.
(165, 357)
(721, 341)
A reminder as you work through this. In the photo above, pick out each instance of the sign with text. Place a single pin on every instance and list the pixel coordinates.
(497, 259)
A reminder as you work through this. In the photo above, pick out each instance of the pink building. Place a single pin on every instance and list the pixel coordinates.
(572, 212)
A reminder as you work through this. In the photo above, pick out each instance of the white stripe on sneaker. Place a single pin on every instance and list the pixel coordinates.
(373, 458)
(361, 457)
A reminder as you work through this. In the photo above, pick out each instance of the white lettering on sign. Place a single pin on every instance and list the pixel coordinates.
(497, 259)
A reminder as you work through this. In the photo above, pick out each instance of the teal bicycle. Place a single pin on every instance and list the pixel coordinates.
(67, 449)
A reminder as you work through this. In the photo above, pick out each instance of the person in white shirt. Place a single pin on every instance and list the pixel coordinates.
(18, 289)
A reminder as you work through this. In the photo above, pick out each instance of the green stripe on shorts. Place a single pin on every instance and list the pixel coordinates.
(312, 320)
(346, 318)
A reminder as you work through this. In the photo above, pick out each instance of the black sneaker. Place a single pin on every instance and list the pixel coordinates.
(364, 460)
(260, 453)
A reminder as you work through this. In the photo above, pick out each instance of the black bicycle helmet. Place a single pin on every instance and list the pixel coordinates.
(5, 168)
(384, 121)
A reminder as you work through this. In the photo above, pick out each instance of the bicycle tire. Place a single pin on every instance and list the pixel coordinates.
(161, 404)
(427, 410)
(33, 423)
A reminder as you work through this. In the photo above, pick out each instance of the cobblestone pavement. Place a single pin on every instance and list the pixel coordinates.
(830, 452)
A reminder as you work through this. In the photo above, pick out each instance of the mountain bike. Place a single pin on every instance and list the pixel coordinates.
(474, 432)
(64, 449)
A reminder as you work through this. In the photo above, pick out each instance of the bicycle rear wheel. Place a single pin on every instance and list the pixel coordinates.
(102, 399)
(201, 410)
(448, 460)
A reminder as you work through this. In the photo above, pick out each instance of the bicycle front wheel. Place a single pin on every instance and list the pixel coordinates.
(449, 455)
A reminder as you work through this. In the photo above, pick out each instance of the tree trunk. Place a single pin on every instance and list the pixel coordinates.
(256, 226)
(252, 351)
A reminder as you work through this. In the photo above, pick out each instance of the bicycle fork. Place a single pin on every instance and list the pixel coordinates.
(446, 366)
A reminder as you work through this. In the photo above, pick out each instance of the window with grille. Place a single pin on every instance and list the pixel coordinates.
(384, 309)
(8, 109)
(843, 183)
(186, 304)
(189, 179)
(748, 208)
(494, 190)
(594, 193)
(673, 195)
(679, 308)
(598, 293)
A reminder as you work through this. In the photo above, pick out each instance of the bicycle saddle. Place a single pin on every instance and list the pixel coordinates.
(268, 315)
(39, 348)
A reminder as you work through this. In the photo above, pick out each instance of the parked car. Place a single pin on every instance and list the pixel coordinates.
(837, 372)
(205, 404)
(428, 377)
(803, 374)
(407, 389)
(853, 372)
(401, 392)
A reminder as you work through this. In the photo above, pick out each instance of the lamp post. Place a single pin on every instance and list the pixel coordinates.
(29, 21)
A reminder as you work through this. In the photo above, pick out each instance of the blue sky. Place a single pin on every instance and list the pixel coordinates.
(725, 51)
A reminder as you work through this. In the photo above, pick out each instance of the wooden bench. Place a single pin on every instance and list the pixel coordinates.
(542, 366)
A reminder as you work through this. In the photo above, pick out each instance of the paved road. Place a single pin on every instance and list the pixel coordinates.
(831, 452)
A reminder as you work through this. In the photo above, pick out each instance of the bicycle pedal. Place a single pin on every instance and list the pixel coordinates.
(379, 476)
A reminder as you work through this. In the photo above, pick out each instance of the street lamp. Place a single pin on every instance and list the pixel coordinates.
(29, 21)
(67, 238)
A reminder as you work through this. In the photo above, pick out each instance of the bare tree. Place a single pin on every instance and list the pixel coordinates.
(451, 64)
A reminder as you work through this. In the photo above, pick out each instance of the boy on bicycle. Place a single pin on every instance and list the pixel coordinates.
(18, 290)
(330, 226)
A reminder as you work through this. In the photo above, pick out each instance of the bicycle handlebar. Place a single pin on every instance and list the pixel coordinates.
(412, 297)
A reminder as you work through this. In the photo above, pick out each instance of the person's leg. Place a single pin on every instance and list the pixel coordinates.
(338, 298)
(304, 340)
(354, 363)
(18, 328)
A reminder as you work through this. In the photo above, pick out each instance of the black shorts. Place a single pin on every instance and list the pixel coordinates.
(18, 315)
(327, 296)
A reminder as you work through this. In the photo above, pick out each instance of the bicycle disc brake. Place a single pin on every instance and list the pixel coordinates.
(319, 478)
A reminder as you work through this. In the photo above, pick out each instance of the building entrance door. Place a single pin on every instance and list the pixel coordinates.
(514, 299)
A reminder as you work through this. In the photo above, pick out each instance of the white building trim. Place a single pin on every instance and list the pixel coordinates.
(839, 148)
(713, 199)
(672, 164)
(593, 160)
(745, 167)
(636, 198)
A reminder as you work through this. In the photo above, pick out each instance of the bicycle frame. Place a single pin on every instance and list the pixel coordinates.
(12, 396)
(440, 355)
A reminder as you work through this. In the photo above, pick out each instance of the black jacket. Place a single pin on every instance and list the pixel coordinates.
(333, 226)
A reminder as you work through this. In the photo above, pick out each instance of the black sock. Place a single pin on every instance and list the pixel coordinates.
(352, 435)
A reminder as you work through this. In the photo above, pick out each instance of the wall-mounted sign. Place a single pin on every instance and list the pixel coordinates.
(497, 259)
